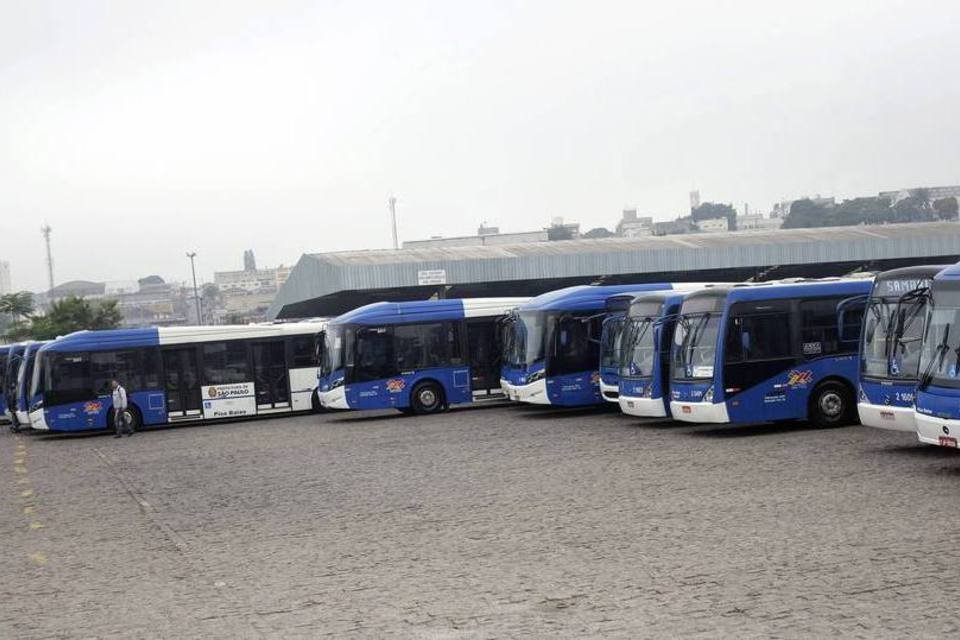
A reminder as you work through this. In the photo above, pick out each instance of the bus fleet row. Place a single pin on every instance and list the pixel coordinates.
(881, 347)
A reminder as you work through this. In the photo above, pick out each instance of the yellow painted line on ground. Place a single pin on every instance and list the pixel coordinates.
(22, 481)
(38, 557)
(26, 493)
(19, 469)
(28, 511)
(36, 525)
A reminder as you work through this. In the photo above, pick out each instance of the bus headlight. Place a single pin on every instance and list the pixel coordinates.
(862, 396)
(536, 375)
(708, 394)
(647, 391)
(336, 383)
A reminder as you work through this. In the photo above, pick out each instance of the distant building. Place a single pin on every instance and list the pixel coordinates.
(249, 261)
(486, 239)
(713, 225)
(251, 281)
(5, 285)
(757, 222)
(933, 193)
(632, 226)
(672, 227)
(782, 209)
(694, 199)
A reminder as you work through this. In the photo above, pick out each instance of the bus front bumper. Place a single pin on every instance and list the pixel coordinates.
(532, 393)
(937, 431)
(699, 412)
(885, 417)
(643, 407)
(610, 392)
(334, 399)
(38, 421)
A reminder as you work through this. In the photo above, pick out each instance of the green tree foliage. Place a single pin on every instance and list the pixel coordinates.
(17, 305)
(75, 314)
(712, 210)
(806, 214)
(598, 232)
(872, 210)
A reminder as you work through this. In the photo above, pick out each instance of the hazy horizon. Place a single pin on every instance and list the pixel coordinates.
(141, 130)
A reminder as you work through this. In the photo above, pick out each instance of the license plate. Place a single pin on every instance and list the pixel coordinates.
(686, 409)
(946, 441)
(887, 415)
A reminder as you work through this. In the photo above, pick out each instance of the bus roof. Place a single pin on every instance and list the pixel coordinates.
(152, 336)
(913, 273)
(423, 310)
(950, 273)
(587, 297)
(779, 289)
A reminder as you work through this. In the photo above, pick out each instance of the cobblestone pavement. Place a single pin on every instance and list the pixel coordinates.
(488, 522)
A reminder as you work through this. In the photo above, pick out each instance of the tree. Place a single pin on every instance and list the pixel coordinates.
(18, 305)
(75, 314)
(806, 214)
(713, 210)
(946, 208)
(598, 232)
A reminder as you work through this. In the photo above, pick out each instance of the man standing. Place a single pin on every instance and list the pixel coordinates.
(121, 421)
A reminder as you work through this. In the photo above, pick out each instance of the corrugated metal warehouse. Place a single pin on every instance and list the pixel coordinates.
(326, 284)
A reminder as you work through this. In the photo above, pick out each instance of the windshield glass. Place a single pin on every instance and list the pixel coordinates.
(576, 343)
(332, 349)
(528, 338)
(892, 333)
(940, 357)
(695, 346)
(610, 342)
(638, 348)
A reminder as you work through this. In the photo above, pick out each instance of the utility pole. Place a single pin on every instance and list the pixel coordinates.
(393, 218)
(196, 295)
(45, 230)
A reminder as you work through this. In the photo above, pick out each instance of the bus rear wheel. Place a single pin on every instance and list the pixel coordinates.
(427, 397)
(831, 405)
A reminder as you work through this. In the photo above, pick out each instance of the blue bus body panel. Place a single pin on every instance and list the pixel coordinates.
(889, 393)
(394, 393)
(519, 375)
(380, 313)
(586, 297)
(610, 375)
(940, 402)
(574, 389)
(106, 340)
(92, 414)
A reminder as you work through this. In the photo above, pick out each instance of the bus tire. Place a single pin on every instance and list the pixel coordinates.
(831, 405)
(315, 405)
(136, 419)
(426, 398)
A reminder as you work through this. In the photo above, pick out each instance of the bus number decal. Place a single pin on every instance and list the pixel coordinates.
(812, 348)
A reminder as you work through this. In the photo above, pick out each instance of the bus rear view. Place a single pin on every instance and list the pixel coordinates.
(891, 346)
(769, 352)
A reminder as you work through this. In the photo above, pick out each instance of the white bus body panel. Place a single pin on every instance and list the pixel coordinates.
(37, 421)
(700, 412)
(335, 398)
(303, 382)
(643, 407)
(612, 389)
(930, 428)
(532, 392)
(884, 417)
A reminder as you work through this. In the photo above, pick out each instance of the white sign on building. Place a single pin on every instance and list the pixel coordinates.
(432, 276)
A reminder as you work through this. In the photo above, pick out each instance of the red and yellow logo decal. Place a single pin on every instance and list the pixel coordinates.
(396, 385)
(92, 407)
(799, 378)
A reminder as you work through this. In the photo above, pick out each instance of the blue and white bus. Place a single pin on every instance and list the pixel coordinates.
(175, 374)
(937, 405)
(553, 344)
(21, 410)
(891, 346)
(417, 357)
(645, 353)
(4, 354)
(610, 337)
(11, 371)
(768, 352)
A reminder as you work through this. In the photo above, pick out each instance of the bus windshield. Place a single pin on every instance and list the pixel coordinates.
(638, 348)
(695, 346)
(610, 342)
(332, 349)
(892, 333)
(940, 358)
(529, 331)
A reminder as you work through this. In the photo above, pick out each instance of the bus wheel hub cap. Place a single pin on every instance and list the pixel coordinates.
(831, 404)
(427, 397)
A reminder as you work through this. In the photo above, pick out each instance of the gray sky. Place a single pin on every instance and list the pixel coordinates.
(143, 129)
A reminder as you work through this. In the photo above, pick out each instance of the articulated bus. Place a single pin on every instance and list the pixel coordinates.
(10, 373)
(417, 357)
(553, 344)
(891, 346)
(767, 352)
(4, 354)
(175, 374)
(610, 337)
(645, 353)
(937, 406)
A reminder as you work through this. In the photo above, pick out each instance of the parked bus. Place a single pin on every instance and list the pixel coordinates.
(766, 352)
(4, 354)
(175, 374)
(610, 336)
(10, 372)
(553, 344)
(891, 346)
(417, 357)
(645, 353)
(937, 407)
(22, 409)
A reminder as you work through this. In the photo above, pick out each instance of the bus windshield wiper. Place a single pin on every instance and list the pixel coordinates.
(936, 358)
(694, 336)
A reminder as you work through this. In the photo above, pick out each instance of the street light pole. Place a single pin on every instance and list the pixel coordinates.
(196, 295)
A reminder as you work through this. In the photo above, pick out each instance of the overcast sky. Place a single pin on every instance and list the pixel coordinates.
(143, 129)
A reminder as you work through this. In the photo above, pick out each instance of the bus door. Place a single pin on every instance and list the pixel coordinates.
(484, 352)
(271, 382)
(759, 363)
(181, 381)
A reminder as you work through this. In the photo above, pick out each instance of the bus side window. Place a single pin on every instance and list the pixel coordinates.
(374, 355)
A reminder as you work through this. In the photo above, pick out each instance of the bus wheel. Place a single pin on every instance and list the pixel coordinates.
(315, 405)
(830, 405)
(426, 397)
